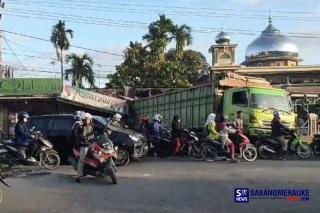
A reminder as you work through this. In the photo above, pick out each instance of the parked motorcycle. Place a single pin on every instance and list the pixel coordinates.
(44, 154)
(315, 145)
(269, 147)
(213, 150)
(99, 161)
(164, 146)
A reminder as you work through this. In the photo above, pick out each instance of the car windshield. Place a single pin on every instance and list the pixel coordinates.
(268, 101)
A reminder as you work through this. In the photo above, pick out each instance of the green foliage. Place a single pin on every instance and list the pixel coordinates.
(81, 69)
(150, 66)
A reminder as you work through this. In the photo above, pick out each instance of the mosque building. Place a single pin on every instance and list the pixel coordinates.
(272, 56)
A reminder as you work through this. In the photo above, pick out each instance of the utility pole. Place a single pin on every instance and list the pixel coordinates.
(1, 9)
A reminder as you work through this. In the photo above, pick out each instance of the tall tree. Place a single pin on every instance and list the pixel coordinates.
(81, 69)
(159, 37)
(60, 40)
(182, 36)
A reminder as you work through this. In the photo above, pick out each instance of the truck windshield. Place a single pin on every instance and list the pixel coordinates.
(268, 101)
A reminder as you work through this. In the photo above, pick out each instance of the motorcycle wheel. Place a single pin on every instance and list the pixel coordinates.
(249, 153)
(112, 173)
(208, 153)
(196, 152)
(316, 148)
(303, 151)
(262, 153)
(5, 162)
(50, 160)
(123, 157)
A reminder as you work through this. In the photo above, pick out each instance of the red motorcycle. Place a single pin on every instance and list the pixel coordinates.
(99, 161)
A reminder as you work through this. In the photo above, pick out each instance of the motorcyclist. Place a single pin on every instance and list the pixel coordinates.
(83, 136)
(22, 136)
(277, 130)
(177, 129)
(224, 131)
(210, 126)
(155, 129)
(238, 122)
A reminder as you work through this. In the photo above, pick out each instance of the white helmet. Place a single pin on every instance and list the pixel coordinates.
(117, 117)
(157, 117)
(87, 116)
(78, 115)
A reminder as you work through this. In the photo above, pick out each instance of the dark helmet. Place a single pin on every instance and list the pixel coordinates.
(277, 114)
(22, 115)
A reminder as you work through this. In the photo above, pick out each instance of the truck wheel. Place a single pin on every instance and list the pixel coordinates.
(123, 157)
(249, 153)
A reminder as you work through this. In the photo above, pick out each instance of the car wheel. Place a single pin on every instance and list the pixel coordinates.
(123, 157)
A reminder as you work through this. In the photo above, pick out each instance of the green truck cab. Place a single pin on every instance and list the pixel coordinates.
(258, 105)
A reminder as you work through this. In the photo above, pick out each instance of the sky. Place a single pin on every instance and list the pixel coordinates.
(109, 26)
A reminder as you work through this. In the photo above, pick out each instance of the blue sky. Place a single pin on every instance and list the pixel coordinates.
(109, 25)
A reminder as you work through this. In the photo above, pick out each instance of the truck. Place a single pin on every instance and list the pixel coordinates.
(253, 96)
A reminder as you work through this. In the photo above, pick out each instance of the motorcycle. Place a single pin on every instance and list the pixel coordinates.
(213, 150)
(268, 147)
(44, 154)
(164, 146)
(315, 145)
(99, 161)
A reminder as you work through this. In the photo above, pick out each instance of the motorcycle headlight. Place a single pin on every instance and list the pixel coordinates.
(134, 138)
(116, 148)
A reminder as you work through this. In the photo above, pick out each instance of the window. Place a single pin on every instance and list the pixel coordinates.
(278, 64)
(240, 98)
(39, 124)
(64, 124)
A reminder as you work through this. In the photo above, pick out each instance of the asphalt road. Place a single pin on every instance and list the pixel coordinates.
(166, 185)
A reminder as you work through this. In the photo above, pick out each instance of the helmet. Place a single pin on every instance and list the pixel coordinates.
(276, 114)
(157, 117)
(87, 116)
(117, 117)
(78, 115)
(22, 115)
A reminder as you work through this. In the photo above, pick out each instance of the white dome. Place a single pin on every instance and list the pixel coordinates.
(272, 43)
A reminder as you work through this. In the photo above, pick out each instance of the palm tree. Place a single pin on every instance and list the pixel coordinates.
(158, 36)
(182, 36)
(81, 68)
(59, 39)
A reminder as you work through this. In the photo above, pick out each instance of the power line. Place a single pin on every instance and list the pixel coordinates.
(15, 55)
(197, 30)
(181, 13)
(75, 46)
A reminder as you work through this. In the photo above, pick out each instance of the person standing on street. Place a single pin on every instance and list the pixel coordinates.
(177, 129)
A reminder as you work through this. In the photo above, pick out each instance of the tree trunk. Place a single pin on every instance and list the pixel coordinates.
(61, 63)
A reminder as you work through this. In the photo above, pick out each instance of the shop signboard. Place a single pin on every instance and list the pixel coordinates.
(30, 86)
(94, 99)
